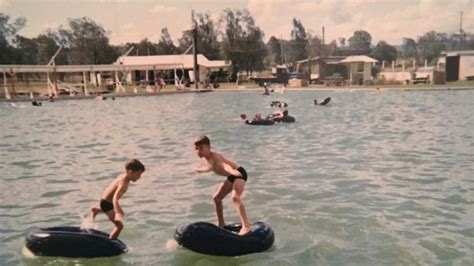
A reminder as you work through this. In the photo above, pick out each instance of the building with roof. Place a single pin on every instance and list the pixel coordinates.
(458, 65)
(359, 67)
(177, 63)
(355, 68)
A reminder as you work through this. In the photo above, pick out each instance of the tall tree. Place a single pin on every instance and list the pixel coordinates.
(144, 47)
(166, 45)
(26, 51)
(208, 44)
(342, 41)
(242, 41)
(384, 52)
(430, 45)
(8, 30)
(298, 43)
(360, 40)
(408, 48)
(274, 52)
(87, 41)
(314, 46)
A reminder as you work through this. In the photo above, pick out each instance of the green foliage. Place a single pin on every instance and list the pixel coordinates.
(408, 48)
(361, 40)
(298, 42)
(207, 40)
(166, 45)
(242, 41)
(8, 30)
(431, 45)
(314, 46)
(273, 52)
(384, 52)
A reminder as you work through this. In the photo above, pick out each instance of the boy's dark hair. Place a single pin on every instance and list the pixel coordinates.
(202, 140)
(135, 165)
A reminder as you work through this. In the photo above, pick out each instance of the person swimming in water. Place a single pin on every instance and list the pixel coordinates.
(326, 101)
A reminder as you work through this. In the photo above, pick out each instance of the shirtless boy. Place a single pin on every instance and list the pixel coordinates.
(235, 182)
(109, 203)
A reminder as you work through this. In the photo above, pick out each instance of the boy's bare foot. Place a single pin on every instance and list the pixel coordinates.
(244, 231)
(94, 211)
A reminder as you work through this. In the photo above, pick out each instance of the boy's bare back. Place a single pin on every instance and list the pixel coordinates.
(119, 183)
(217, 161)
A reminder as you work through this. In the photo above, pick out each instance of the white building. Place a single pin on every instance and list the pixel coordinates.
(172, 62)
(359, 68)
(458, 65)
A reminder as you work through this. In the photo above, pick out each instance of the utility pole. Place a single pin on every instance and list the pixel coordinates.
(322, 47)
(195, 52)
(461, 33)
(281, 49)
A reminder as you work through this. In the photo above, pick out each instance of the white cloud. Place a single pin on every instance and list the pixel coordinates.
(52, 26)
(389, 20)
(4, 3)
(112, 1)
(163, 9)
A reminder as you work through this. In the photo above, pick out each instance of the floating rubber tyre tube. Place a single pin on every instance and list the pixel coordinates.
(288, 119)
(74, 242)
(261, 122)
(207, 238)
(285, 119)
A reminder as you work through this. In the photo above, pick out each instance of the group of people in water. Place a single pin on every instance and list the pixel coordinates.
(280, 115)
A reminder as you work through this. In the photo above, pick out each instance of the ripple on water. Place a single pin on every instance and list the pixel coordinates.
(53, 194)
(373, 179)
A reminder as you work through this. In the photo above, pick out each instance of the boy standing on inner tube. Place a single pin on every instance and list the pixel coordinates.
(235, 182)
(109, 204)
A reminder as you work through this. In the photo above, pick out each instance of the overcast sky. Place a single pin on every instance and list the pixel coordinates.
(134, 20)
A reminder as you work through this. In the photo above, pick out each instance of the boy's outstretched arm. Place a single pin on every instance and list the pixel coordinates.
(117, 208)
(204, 168)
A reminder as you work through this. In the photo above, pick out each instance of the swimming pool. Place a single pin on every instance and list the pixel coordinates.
(369, 179)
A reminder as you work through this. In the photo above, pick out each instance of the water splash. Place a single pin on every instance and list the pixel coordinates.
(87, 222)
(171, 244)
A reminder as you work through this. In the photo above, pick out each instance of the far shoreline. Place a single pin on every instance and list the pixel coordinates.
(232, 87)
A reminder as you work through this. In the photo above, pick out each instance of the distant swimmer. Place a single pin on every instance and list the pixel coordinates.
(36, 103)
(281, 116)
(266, 91)
(99, 97)
(279, 104)
(243, 118)
(109, 204)
(257, 120)
(326, 101)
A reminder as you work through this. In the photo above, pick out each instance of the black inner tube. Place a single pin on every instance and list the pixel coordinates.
(207, 238)
(261, 122)
(69, 241)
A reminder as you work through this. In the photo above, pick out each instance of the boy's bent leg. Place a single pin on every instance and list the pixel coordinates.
(238, 189)
(118, 225)
(116, 232)
(224, 189)
(95, 210)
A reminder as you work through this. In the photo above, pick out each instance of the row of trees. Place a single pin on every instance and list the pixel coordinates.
(241, 41)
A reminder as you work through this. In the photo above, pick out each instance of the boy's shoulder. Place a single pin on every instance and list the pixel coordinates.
(121, 178)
